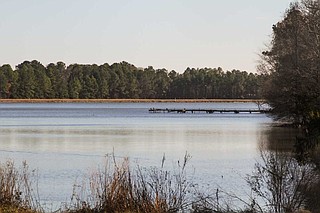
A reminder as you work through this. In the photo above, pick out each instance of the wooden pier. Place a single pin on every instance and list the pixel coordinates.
(209, 111)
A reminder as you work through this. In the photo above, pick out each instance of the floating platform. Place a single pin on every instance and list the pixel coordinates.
(210, 111)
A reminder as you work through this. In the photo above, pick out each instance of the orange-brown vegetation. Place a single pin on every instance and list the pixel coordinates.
(126, 100)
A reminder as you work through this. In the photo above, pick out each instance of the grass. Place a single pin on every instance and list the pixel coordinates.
(116, 188)
(15, 209)
(16, 189)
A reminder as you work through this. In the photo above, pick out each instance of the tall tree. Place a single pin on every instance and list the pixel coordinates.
(103, 76)
(3, 85)
(162, 82)
(58, 76)
(42, 82)
(146, 79)
(27, 81)
(293, 90)
(8, 82)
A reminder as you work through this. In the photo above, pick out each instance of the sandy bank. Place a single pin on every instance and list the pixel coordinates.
(124, 100)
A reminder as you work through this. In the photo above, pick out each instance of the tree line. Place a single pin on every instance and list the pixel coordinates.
(124, 80)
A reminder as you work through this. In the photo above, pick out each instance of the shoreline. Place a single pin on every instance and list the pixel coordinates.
(129, 100)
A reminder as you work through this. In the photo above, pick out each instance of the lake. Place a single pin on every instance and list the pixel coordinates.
(65, 141)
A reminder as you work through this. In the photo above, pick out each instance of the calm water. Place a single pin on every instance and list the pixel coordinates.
(65, 141)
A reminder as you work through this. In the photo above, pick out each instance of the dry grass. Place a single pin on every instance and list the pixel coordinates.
(16, 193)
(14, 209)
(119, 189)
(116, 188)
(127, 100)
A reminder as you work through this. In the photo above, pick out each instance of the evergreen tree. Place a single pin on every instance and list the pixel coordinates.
(293, 61)
(27, 80)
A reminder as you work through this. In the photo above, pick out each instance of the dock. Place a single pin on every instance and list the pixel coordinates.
(209, 111)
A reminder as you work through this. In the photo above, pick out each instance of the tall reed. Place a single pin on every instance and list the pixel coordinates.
(16, 189)
(117, 188)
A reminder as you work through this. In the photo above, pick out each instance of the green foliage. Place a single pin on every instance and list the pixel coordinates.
(124, 80)
(59, 80)
(8, 81)
(26, 79)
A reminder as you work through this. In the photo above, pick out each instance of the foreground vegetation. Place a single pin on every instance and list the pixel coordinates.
(278, 184)
(16, 189)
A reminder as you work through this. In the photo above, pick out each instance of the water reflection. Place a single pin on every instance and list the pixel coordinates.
(281, 179)
(214, 136)
(280, 184)
(279, 139)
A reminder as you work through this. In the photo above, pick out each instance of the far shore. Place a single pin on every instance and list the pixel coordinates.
(128, 100)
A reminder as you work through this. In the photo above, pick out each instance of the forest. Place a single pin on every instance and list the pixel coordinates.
(124, 80)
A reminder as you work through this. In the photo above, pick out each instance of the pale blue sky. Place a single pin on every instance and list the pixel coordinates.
(171, 34)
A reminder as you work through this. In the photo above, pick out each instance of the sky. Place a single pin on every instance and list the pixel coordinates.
(170, 34)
